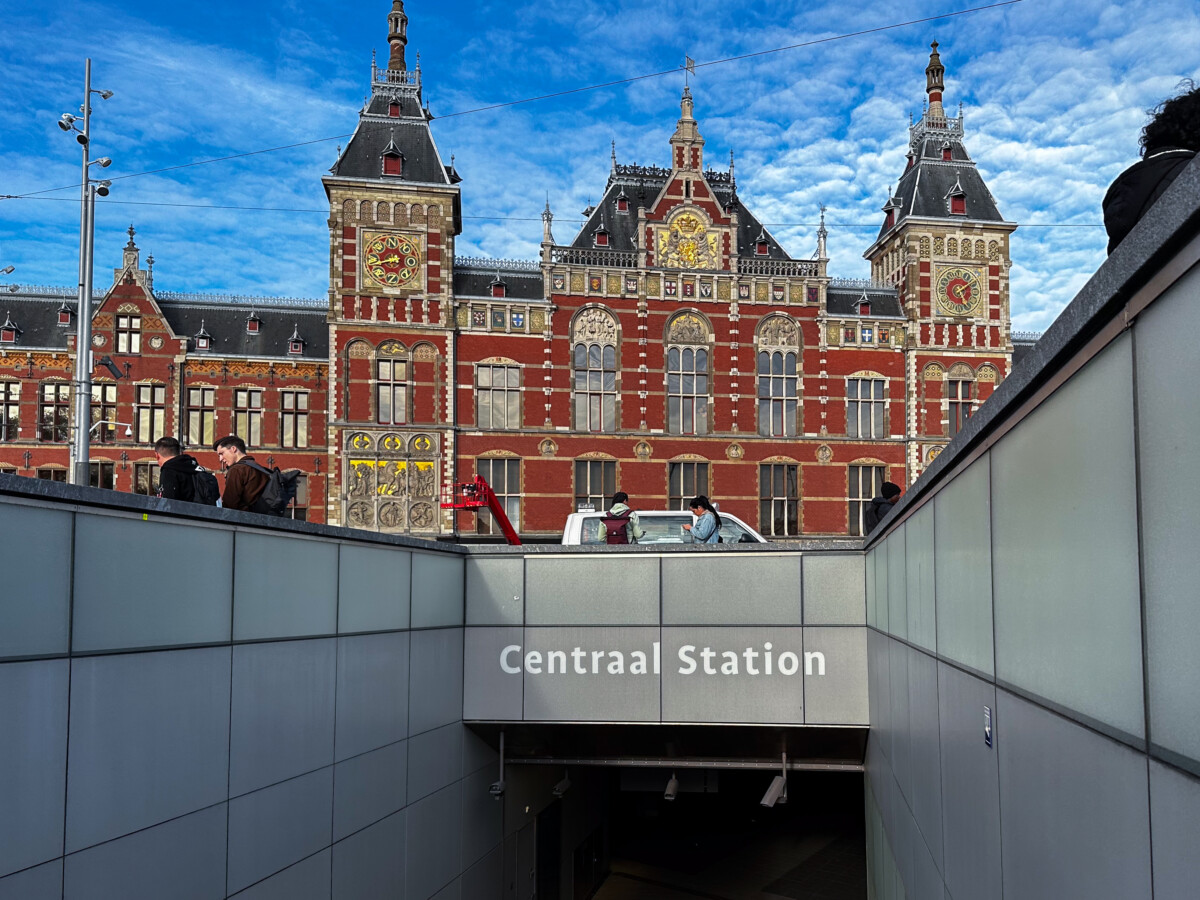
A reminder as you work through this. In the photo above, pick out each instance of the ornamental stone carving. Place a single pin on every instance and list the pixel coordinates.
(824, 454)
(392, 348)
(987, 374)
(777, 331)
(595, 326)
(934, 372)
(359, 350)
(642, 450)
(547, 448)
(425, 353)
(388, 476)
(687, 328)
(735, 451)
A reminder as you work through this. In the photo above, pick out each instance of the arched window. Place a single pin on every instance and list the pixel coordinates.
(594, 360)
(959, 397)
(778, 377)
(866, 406)
(391, 384)
(688, 358)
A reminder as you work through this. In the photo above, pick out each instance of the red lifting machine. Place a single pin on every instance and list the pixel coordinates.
(476, 495)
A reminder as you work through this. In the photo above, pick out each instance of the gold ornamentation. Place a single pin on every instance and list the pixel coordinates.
(832, 334)
(760, 293)
(392, 348)
(934, 372)
(360, 441)
(687, 244)
(687, 328)
(576, 282)
(537, 320)
(642, 450)
(934, 452)
(722, 290)
(393, 261)
(614, 284)
(461, 316)
(422, 443)
(652, 285)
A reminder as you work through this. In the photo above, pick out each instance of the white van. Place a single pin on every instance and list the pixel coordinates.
(660, 527)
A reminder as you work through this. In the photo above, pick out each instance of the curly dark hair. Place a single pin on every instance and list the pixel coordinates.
(1174, 122)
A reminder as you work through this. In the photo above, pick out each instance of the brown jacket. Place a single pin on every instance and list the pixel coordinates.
(243, 486)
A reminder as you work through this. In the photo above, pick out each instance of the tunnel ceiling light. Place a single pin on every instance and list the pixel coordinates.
(672, 788)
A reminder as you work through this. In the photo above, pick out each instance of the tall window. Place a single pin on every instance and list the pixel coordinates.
(959, 393)
(687, 390)
(865, 407)
(247, 415)
(104, 409)
(10, 410)
(201, 416)
(54, 412)
(779, 500)
(595, 482)
(145, 479)
(498, 391)
(777, 393)
(391, 388)
(299, 508)
(129, 334)
(293, 419)
(101, 474)
(595, 387)
(865, 483)
(150, 412)
(686, 480)
(504, 476)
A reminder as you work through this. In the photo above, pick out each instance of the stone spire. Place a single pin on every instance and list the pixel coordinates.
(131, 258)
(397, 36)
(687, 146)
(934, 85)
(547, 218)
(822, 234)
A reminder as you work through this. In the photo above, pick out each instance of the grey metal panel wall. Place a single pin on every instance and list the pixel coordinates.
(283, 721)
(1051, 549)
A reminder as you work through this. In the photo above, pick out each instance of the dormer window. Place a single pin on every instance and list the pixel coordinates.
(958, 205)
(393, 164)
(9, 330)
(622, 203)
(499, 288)
(296, 343)
(947, 154)
(864, 307)
(761, 245)
(394, 109)
(253, 324)
(64, 315)
(203, 338)
(601, 238)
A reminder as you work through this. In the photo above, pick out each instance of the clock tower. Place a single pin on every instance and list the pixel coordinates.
(944, 246)
(394, 211)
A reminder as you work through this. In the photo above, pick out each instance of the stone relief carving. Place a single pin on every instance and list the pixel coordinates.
(824, 454)
(687, 328)
(777, 331)
(391, 481)
(595, 326)
(642, 450)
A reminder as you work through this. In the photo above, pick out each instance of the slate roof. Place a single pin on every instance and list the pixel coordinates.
(642, 188)
(924, 187)
(476, 281)
(1023, 343)
(362, 156)
(35, 311)
(843, 300)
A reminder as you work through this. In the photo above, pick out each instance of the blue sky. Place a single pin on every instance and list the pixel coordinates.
(1055, 93)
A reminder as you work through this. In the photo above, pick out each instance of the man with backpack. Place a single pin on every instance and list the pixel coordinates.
(251, 487)
(620, 523)
(180, 477)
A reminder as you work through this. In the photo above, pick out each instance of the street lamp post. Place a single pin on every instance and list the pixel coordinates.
(81, 434)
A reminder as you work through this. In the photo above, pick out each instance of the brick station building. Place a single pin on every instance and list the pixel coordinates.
(671, 347)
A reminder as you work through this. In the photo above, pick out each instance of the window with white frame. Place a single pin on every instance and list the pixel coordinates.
(391, 391)
(129, 334)
(149, 412)
(958, 392)
(10, 410)
(687, 390)
(595, 387)
(685, 480)
(779, 499)
(866, 408)
(865, 483)
(498, 397)
(247, 415)
(104, 409)
(293, 419)
(595, 482)
(778, 392)
(201, 416)
(503, 475)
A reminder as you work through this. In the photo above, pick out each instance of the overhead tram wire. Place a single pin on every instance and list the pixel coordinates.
(550, 96)
(296, 209)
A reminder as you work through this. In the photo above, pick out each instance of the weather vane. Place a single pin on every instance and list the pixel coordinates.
(689, 66)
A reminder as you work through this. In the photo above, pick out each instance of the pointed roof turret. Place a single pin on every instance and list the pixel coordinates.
(397, 36)
(687, 146)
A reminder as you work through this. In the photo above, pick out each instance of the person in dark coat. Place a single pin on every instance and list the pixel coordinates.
(879, 506)
(175, 468)
(1169, 142)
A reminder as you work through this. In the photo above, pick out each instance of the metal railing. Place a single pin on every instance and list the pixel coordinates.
(793, 268)
(588, 256)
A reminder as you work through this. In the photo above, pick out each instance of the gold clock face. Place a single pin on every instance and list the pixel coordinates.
(959, 291)
(392, 261)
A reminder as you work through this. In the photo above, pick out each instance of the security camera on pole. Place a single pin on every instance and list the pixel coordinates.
(81, 434)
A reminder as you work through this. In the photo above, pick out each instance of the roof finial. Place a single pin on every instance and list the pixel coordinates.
(614, 154)
(397, 36)
(934, 85)
(732, 177)
(131, 231)
(822, 234)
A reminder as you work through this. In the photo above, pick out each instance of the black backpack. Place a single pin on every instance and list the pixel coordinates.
(280, 491)
(205, 489)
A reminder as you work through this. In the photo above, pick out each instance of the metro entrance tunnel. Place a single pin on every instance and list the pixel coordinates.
(620, 826)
